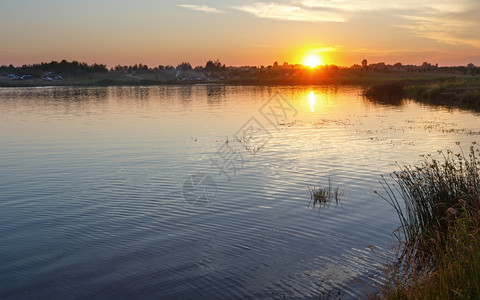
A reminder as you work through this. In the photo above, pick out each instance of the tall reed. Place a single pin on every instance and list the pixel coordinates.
(438, 205)
(323, 196)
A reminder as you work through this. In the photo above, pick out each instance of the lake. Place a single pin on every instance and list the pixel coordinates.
(203, 191)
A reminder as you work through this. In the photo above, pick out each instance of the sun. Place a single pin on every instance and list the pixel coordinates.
(313, 61)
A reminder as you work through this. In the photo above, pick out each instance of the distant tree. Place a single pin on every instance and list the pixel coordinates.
(161, 67)
(275, 64)
(184, 66)
(99, 68)
(214, 65)
(364, 63)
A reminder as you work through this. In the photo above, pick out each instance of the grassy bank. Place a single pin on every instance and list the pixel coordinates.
(463, 92)
(438, 204)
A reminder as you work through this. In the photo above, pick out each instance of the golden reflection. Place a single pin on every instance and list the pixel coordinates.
(311, 100)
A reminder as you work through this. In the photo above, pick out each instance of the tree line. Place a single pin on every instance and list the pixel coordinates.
(214, 68)
(77, 68)
(63, 67)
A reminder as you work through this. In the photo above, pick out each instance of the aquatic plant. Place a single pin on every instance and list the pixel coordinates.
(324, 196)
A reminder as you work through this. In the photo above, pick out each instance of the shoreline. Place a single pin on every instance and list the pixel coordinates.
(450, 90)
(305, 77)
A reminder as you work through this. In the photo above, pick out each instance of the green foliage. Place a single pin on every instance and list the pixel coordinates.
(464, 91)
(457, 273)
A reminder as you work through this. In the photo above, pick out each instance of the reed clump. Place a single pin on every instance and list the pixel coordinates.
(324, 196)
(438, 204)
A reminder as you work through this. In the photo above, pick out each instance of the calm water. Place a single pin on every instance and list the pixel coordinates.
(100, 192)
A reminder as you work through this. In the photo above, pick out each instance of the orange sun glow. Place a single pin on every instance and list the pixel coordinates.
(313, 61)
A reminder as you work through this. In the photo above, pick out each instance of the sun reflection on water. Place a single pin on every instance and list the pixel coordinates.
(311, 100)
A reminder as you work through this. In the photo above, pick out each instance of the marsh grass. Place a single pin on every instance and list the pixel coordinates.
(438, 204)
(324, 196)
(461, 92)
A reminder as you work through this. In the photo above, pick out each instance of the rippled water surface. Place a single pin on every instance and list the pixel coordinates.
(135, 192)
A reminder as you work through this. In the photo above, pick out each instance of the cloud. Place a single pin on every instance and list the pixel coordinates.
(443, 30)
(457, 26)
(291, 12)
(202, 8)
(446, 21)
(385, 5)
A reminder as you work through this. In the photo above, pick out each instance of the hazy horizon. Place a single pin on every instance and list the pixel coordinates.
(340, 32)
(234, 66)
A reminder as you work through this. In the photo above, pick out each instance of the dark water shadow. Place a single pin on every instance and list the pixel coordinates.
(391, 94)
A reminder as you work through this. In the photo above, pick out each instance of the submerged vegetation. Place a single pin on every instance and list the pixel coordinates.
(438, 204)
(324, 196)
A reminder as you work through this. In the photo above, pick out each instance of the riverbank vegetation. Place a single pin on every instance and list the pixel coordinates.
(438, 204)
(214, 71)
(463, 92)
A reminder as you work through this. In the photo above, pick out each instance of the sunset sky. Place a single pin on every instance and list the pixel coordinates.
(153, 32)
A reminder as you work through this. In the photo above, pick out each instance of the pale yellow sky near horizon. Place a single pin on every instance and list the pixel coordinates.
(152, 32)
